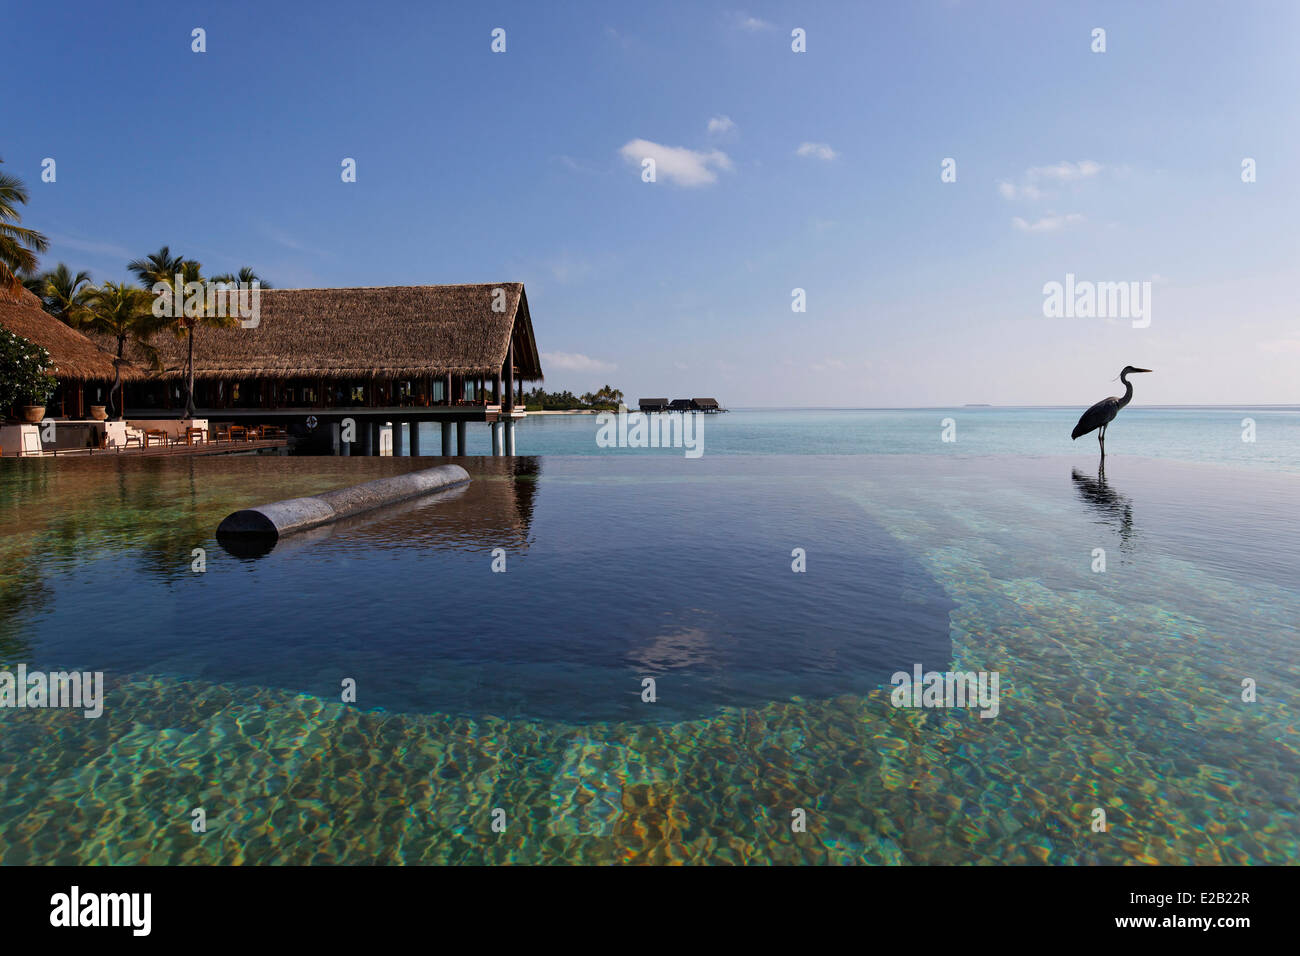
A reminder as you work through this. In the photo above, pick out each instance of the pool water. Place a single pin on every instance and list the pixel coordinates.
(524, 690)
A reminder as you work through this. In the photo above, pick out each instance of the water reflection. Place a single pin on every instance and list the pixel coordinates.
(1114, 508)
(493, 510)
(618, 571)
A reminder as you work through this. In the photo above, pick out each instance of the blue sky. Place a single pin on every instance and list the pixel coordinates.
(776, 170)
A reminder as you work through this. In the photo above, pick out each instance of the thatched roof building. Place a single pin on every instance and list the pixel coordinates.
(652, 404)
(369, 333)
(75, 357)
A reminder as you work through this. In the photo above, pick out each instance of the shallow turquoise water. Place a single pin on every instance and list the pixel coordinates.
(1211, 435)
(1120, 690)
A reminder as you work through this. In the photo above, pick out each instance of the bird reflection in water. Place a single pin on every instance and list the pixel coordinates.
(1114, 508)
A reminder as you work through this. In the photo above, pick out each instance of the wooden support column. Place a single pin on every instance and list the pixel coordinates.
(510, 376)
(446, 439)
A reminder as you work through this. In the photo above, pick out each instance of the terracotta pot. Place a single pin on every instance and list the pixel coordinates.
(99, 413)
(33, 414)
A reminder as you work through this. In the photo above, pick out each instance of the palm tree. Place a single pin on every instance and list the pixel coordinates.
(64, 294)
(125, 313)
(18, 246)
(245, 276)
(160, 266)
(35, 284)
(163, 267)
(188, 326)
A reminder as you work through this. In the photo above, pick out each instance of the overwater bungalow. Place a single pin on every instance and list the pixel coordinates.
(314, 358)
(707, 405)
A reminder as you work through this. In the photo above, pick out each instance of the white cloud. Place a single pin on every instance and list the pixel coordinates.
(570, 163)
(1012, 191)
(1047, 223)
(829, 365)
(721, 124)
(576, 362)
(818, 150)
(1064, 172)
(752, 24)
(685, 167)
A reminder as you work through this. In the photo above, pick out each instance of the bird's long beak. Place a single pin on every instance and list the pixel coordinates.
(1142, 370)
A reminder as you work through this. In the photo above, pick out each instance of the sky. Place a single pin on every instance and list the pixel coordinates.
(775, 171)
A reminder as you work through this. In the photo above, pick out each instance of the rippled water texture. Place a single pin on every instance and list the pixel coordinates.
(522, 690)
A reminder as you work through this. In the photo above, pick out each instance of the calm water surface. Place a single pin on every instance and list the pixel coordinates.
(523, 689)
(1212, 435)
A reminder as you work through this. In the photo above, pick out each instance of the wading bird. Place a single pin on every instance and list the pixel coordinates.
(1104, 412)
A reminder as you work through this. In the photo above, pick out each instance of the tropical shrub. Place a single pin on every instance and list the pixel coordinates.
(24, 372)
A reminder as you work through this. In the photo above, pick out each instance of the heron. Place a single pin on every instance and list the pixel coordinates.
(1104, 412)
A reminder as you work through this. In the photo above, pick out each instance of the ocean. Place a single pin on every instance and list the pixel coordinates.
(1210, 435)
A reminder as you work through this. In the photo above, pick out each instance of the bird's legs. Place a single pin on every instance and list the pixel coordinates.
(1101, 439)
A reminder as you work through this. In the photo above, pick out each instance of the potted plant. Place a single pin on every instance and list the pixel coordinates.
(37, 389)
(25, 382)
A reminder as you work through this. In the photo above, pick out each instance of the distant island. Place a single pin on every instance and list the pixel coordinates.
(604, 399)
(610, 399)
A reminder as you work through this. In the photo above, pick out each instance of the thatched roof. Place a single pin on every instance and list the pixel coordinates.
(384, 332)
(75, 357)
(706, 403)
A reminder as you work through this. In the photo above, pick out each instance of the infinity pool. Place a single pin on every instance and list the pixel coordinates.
(525, 689)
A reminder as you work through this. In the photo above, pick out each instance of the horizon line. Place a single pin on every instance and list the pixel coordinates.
(919, 408)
